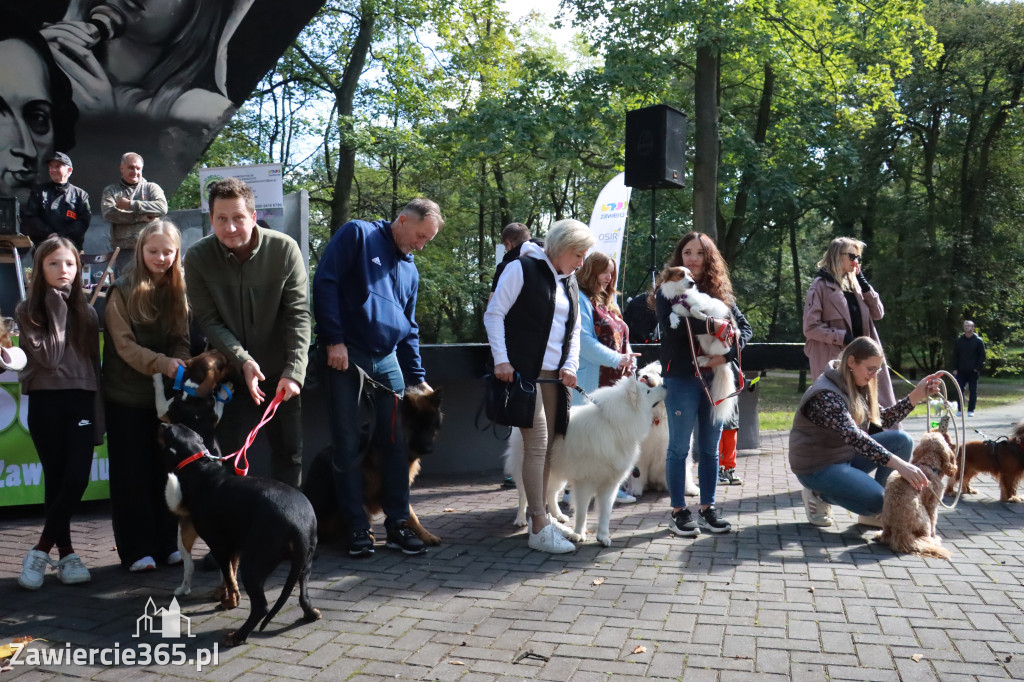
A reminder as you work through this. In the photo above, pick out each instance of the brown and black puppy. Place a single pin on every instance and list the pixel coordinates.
(194, 404)
(1002, 458)
(251, 524)
(420, 418)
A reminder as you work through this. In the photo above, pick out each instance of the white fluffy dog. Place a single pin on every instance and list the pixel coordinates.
(678, 287)
(595, 455)
(649, 472)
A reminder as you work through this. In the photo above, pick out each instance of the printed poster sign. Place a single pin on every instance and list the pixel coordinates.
(608, 221)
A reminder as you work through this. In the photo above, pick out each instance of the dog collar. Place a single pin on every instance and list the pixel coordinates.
(188, 460)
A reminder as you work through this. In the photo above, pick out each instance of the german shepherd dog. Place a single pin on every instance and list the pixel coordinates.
(250, 523)
(420, 418)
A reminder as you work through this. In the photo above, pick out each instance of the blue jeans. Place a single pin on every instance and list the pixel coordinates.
(688, 406)
(348, 434)
(850, 485)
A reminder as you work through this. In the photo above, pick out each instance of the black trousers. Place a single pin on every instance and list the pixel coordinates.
(61, 425)
(143, 525)
(284, 431)
(968, 380)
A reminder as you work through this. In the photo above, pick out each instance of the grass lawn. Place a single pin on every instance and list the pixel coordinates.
(780, 394)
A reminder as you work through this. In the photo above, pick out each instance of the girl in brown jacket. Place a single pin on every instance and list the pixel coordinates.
(59, 334)
(146, 334)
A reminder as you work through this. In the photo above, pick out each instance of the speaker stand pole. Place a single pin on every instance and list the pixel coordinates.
(652, 269)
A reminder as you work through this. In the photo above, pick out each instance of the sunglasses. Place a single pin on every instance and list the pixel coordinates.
(852, 256)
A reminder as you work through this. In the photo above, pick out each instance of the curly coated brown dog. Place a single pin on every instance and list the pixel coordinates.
(1002, 458)
(909, 516)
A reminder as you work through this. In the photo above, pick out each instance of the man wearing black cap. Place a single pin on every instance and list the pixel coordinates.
(57, 207)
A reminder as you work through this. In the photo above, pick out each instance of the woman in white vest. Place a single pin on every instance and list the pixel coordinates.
(830, 449)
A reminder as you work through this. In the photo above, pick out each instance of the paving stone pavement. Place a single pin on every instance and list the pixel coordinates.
(776, 599)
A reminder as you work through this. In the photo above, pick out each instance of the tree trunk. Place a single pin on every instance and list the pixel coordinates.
(503, 204)
(798, 298)
(773, 325)
(344, 98)
(730, 245)
(705, 142)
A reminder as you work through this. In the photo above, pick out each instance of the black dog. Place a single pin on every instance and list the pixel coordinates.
(197, 403)
(247, 521)
(419, 417)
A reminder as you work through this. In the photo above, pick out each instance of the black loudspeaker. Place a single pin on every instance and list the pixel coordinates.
(9, 215)
(655, 148)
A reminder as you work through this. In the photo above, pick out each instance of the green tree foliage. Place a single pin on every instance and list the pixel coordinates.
(894, 121)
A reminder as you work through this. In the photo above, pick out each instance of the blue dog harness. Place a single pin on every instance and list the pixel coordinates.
(222, 395)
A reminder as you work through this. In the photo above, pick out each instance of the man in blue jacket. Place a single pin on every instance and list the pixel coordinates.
(364, 302)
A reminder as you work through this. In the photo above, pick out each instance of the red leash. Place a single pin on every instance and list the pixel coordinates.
(723, 331)
(241, 461)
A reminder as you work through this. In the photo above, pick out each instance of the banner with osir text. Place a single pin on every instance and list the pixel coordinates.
(608, 221)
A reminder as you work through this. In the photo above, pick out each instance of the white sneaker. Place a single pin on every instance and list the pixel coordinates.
(550, 540)
(174, 558)
(33, 569)
(970, 414)
(146, 563)
(565, 530)
(873, 521)
(819, 512)
(72, 571)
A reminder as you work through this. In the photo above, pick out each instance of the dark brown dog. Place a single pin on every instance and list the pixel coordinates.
(420, 416)
(1002, 458)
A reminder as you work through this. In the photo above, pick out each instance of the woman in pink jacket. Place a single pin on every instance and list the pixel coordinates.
(841, 305)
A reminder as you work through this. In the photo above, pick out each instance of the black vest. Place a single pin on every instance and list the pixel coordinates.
(528, 321)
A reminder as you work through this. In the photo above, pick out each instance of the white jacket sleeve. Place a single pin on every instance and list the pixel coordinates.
(510, 285)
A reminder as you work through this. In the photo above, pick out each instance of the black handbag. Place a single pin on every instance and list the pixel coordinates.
(510, 403)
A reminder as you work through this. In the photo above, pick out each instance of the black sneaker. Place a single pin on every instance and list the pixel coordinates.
(711, 520)
(722, 478)
(361, 542)
(683, 524)
(730, 477)
(402, 537)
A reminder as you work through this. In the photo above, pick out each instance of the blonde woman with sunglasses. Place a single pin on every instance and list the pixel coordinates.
(837, 446)
(841, 305)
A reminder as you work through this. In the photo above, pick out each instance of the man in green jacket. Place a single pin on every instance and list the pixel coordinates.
(247, 288)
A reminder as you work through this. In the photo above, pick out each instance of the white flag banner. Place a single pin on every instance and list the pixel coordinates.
(608, 221)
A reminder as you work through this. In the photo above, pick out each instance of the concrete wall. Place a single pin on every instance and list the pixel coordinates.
(457, 370)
